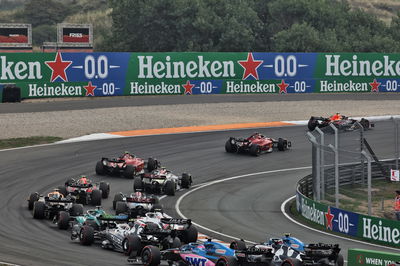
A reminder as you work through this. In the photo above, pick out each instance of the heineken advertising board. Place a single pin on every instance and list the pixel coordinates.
(367, 228)
(370, 257)
(109, 74)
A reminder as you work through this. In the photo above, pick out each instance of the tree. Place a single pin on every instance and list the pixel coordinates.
(44, 12)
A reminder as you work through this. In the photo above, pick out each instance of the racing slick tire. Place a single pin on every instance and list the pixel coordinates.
(63, 220)
(105, 189)
(189, 235)
(152, 164)
(186, 180)
(238, 245)
(121, 207)
(32, 199)
(151, 256)
(130, 244)
(137, 183)
(95, 197)
(76, 210)
(63, 190)
(282, 144)
(365, 123)
(312, 123)
(340, 260)
(100, 168)
(86, 235)
(91, 223)
(157, 207)
(291, 262)
(38, 210)
(129, 171)
(227, 261)
(170, 188)
(255, 150)
(229, 147)
(117, 197)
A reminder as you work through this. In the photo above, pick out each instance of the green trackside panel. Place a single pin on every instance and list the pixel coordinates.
(369, 257)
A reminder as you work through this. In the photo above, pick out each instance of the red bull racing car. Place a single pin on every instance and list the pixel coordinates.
(341, 122)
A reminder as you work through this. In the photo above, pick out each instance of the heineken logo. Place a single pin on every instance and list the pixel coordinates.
(10, 70)
(384, 67)
(312, 213)
(50, 91)
(376, 231)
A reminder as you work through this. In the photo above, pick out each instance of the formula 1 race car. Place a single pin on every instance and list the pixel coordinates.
(91, 217)
(50, 206)
(256, 144)
(207, 253)
(127, 164)
(162, 181)
(85, 190)
(341, 122)
(135, 204)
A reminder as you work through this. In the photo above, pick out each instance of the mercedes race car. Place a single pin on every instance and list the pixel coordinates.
(162, 181)
(208, 253)
(256, 144)
(136, 204)
(127, 164)
(341, 122)
(86, 191)
(52, 204)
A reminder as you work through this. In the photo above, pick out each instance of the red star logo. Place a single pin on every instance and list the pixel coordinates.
(250, 66)
(283, 86)
(375, 86)
(329, 217)
(90, 89)
(188, 87)
(58, 68)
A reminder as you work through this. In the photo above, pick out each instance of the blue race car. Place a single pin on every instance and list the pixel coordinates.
(208, 253)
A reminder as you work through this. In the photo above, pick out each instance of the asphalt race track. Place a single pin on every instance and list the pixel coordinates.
(248, 207)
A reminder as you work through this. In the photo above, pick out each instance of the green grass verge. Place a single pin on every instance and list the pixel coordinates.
(20, 142)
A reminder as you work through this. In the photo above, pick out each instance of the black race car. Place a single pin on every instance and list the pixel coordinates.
(136, 204)
(341, 122)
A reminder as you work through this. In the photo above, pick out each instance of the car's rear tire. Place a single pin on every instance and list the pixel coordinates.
(365, 123)
(152, 164)
(130, 244)
(255, 150)
(121, 207)
(282, 144)
(86, 235)
(105, 189)
(238, 245)
(170, 188)
(95, 197)
(227, 261)
(129, 171)
(76, 210)
(312, 123)
(32, 199)
(186, 181)
(100, 168)
(38, 210)
(151, 256)
(117, 197)
(291, 262)
(340, 260)
(137, 183)
(63, 220)
(189, 235)
(229, 147)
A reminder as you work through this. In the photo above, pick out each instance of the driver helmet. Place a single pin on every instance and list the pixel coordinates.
(55, 194)
(138, 194)
(83, 180)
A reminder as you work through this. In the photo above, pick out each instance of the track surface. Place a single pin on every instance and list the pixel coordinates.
(108, 102)
(247, 208)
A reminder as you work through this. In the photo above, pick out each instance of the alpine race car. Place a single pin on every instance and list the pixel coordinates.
(135, 204)
(291, 251)
(85, 190)
(52, 204)
(162, 181)
(256, 144)
(208, 253)
(127, 164)
(341, 122)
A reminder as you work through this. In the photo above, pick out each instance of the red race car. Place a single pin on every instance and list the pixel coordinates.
(127, 164)
(256, 144)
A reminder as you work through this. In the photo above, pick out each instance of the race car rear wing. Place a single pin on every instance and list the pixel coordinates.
(176, 221)
(114, 218)
(141, 200)
(62, 200)
(113, 160)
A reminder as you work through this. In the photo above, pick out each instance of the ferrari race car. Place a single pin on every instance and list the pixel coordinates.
(86, 191)
(135, 204)
(341, 122)
(291, 251)
(208, 253)
(50, 206)
(127, 164)
(162, 181)
(256, 144)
